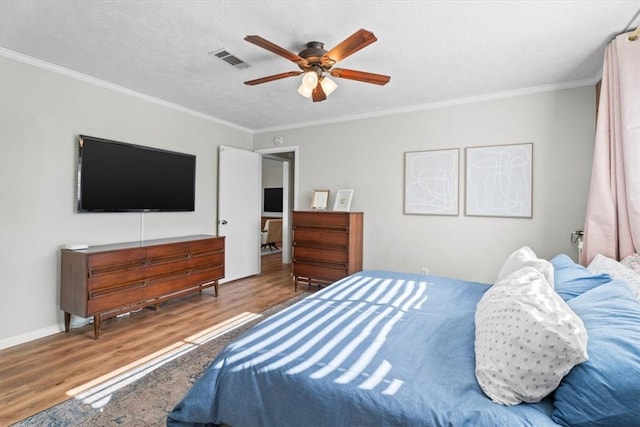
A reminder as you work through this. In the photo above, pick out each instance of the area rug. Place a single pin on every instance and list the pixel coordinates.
(152, 394)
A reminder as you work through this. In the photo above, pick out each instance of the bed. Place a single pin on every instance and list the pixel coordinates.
(388, 349)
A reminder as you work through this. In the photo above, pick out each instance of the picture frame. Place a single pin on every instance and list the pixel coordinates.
(342, 203)
(320, 199)
(499, 181)
(431, 182)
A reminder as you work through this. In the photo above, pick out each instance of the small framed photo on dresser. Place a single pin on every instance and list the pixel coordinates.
(320, 200)
(343, 200)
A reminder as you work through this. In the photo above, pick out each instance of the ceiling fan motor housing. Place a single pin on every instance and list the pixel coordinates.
(314, 54)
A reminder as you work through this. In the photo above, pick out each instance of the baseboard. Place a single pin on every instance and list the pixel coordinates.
(30, 336)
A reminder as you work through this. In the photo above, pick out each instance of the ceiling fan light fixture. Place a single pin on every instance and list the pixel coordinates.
(310, 80)
(328, 85)
(305, 91)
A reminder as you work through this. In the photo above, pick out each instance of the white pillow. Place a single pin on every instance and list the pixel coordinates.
(523, 257)
(527, 339)
(602, 264)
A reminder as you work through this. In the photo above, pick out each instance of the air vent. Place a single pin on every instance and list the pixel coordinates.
(229, 58)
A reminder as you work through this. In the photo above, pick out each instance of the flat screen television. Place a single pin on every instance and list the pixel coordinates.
(272, 200)
(120, 177)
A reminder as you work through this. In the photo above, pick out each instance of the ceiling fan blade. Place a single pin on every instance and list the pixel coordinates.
(272, 47)
(318, 93)
(361, 76)
(356, 41)
(273, 77)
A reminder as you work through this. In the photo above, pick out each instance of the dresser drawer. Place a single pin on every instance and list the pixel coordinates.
(167, 253)
(301, 251)
(321, 220)
(206, 258)
(206, 274)
(115, 280)
(141, 292)
(110, 302)
(320, 237)
(116, 290)
(207, 245)
(329, 272)
(107, 262)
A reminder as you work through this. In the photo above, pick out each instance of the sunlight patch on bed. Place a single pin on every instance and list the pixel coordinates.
(377, 377)
(97, 392)
(348, 349)
(337, 335)
(369, 353)
(309, 344)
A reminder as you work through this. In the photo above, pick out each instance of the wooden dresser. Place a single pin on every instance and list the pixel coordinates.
(107, 280)
(327, 246)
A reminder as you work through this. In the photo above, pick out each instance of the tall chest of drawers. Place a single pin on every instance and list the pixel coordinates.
(104, 281)
(327, 246)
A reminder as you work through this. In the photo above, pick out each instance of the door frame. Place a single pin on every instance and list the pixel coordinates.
(286, 220)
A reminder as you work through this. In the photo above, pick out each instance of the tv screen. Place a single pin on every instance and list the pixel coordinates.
(119, 177)
(272, 200)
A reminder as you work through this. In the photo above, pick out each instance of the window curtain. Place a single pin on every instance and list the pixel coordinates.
(612, 225)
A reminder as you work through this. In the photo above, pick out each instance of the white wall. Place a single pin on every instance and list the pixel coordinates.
(41, 114)
(271, 173)
(368, 156)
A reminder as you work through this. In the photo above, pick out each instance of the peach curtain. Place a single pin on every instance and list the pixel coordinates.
(612, 225)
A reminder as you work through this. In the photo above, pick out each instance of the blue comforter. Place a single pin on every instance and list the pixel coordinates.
(375, 348)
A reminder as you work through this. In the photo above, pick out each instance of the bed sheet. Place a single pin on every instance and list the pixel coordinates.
(376, 348)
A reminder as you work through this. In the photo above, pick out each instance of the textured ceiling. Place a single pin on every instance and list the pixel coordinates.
(436, 52)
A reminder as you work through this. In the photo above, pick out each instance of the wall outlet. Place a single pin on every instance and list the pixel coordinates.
(425, 270)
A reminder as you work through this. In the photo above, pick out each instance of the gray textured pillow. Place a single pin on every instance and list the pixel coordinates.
(617, 270)
(527, 339)
(632, 262)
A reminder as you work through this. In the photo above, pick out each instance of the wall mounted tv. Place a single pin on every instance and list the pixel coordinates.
(272, 200)
(120, 177)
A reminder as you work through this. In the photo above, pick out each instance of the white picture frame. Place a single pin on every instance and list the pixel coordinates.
(499, 181)
(431, 183)
(342, 203)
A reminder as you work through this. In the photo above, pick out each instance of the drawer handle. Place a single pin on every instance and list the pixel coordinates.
(155, 261)
(119, 267)
(317, 245)
(208, 267)
(117, 289)
(207, 253)
(327, 264)
(321, 227)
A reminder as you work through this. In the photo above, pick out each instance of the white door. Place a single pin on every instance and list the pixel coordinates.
(239, 202)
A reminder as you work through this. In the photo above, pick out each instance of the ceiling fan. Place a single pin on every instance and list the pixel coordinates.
(314, 61)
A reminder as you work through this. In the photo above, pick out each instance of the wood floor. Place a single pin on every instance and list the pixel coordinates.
(37, 375)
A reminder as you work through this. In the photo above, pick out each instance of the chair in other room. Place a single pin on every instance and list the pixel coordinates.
(272, 233)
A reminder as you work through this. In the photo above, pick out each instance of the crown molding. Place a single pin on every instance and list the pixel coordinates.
(7, 53)
(442, 104)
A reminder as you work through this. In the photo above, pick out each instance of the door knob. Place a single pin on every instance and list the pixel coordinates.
(223, 222)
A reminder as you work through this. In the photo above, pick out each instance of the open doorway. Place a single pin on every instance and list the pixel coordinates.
(279, 167)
